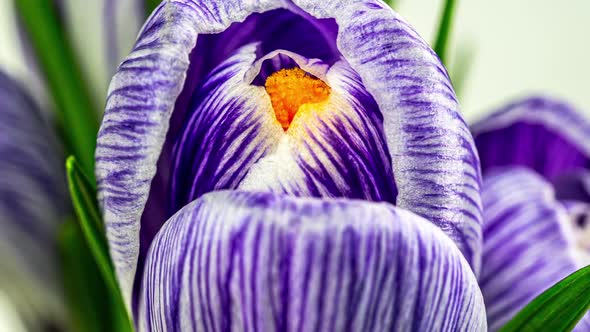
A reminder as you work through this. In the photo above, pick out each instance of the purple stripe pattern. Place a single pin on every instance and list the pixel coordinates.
(32, 204)
(349, 153)
(265, 262)
(547, 135)
(179, 123)
(529, 243)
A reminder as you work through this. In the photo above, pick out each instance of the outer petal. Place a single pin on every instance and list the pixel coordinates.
(434, 159)
(528, 242)
(261, 262)
(435, 164)
(544, 134)
(32, 203)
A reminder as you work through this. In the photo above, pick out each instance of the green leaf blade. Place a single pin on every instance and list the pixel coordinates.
(557, 309)
(391, 3)
(150, 5)
(71, 96)
(83, 286)
(83, 194)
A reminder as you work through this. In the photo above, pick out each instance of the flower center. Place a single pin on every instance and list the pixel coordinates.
(289, 89)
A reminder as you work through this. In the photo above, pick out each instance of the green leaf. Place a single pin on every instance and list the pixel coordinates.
(150, 5)
(71, 96)
(83, 195)
(391, 3)
(444, 31)
(83, 284)
(557, 309)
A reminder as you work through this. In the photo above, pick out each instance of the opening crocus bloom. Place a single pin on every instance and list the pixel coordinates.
(337, 101)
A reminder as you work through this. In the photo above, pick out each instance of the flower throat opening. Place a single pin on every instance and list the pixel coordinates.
(289, 89)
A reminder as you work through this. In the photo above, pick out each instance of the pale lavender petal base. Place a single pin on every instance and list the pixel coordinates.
(261, 262)
(528, 242)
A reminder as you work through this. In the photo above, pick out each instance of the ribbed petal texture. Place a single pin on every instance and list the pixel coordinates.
(264, 262)
(32, 204)
(528, 243)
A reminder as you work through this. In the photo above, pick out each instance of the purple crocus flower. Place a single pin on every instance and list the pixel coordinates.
(535, 156)
(33, 202)
(271, 165)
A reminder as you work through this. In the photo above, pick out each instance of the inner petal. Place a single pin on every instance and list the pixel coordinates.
(298, 134)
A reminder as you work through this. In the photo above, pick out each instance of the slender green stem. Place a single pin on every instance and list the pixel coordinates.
(444, 31)
(83, 195)
(83, 287)
(391, 3)
(71, 96)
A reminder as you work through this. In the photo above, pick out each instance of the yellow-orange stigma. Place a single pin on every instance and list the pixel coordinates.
(291, 88)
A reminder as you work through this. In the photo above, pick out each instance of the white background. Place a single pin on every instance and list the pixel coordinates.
(520, 46)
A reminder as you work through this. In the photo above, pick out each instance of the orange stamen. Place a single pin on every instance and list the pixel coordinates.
(291, 88)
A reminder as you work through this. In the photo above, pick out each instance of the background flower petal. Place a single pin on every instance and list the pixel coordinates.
(544, 134)
(102, 34)
(528, 242)
(32, 204)
(266, 262)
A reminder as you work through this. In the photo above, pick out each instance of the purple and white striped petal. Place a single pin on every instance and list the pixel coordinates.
(544, 134)
(232, 140)
(265, 262)
(433, 158)
(32, 203)
(529, 243)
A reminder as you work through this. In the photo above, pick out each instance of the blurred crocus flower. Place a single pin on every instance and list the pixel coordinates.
(100, 33)
(33, 195)
(33, 201)
(535, 157)
(271, 165)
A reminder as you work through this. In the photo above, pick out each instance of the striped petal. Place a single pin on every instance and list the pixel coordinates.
(32, 203)
(233, 140)
(529, 243)
(265, 262)
(433, 159)
(546, 135)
